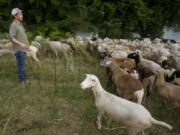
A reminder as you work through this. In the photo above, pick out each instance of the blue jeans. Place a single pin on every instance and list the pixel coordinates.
(21, 56)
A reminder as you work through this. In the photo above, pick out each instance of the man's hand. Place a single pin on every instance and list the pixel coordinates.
(19, 43)
(24, 46)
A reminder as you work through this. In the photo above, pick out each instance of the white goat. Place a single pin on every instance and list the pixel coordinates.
(32, 50)
(133, 115)
(151, 65)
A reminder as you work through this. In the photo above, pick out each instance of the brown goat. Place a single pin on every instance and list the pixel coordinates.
(145, 74)
(124, 63)
(168, 91)
(127, 85)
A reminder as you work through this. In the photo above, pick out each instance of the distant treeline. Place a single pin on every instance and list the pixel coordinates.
(108, 18)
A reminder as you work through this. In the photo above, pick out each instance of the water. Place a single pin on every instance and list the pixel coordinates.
(86, 35)
(170, 34)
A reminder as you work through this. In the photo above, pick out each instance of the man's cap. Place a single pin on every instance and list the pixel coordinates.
(15, 11)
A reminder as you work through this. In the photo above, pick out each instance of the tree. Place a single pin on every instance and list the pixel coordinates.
(114, 19)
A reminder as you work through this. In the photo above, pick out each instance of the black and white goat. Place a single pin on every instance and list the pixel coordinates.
(141, 68)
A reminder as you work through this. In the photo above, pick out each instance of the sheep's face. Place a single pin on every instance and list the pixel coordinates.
(89, 82)
(134, 56)
(106, 62)
(105, 54)
(164, 64)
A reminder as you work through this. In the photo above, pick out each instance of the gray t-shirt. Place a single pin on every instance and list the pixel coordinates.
(18, 32)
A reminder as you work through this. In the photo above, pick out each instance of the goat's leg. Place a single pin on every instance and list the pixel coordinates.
(177, 104)
(108, 83)
(132, 131)
(146, 92)
(30, 62)
(57, 56)
(144, 99)
(145, 84)
(35, 58)
(164, 104)
(109, 73)
(139, 95)
(142, 133)
(99, 119)
(152, 85)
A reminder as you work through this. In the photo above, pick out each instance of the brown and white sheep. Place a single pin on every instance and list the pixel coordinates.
(124, 63)
(126, 85)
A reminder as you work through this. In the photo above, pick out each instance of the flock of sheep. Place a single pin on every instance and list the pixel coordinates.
(135, 68)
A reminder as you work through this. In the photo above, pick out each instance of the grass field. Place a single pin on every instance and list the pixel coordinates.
(54, 104)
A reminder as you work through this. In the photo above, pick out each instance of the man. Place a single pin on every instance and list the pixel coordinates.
(20, 42)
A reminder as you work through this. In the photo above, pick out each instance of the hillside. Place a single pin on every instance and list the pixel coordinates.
(54, 104)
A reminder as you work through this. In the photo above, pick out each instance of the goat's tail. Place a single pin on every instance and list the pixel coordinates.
(154, 83)
(161, 123)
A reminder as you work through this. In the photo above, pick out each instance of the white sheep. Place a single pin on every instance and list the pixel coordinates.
(36, 44)
(31, 52)
(133, 115)
(57, 46)
(5, 51)
(38, 38)
(5, 44)
(119, 54)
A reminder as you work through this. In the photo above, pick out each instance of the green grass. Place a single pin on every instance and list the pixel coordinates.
(54, 103)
